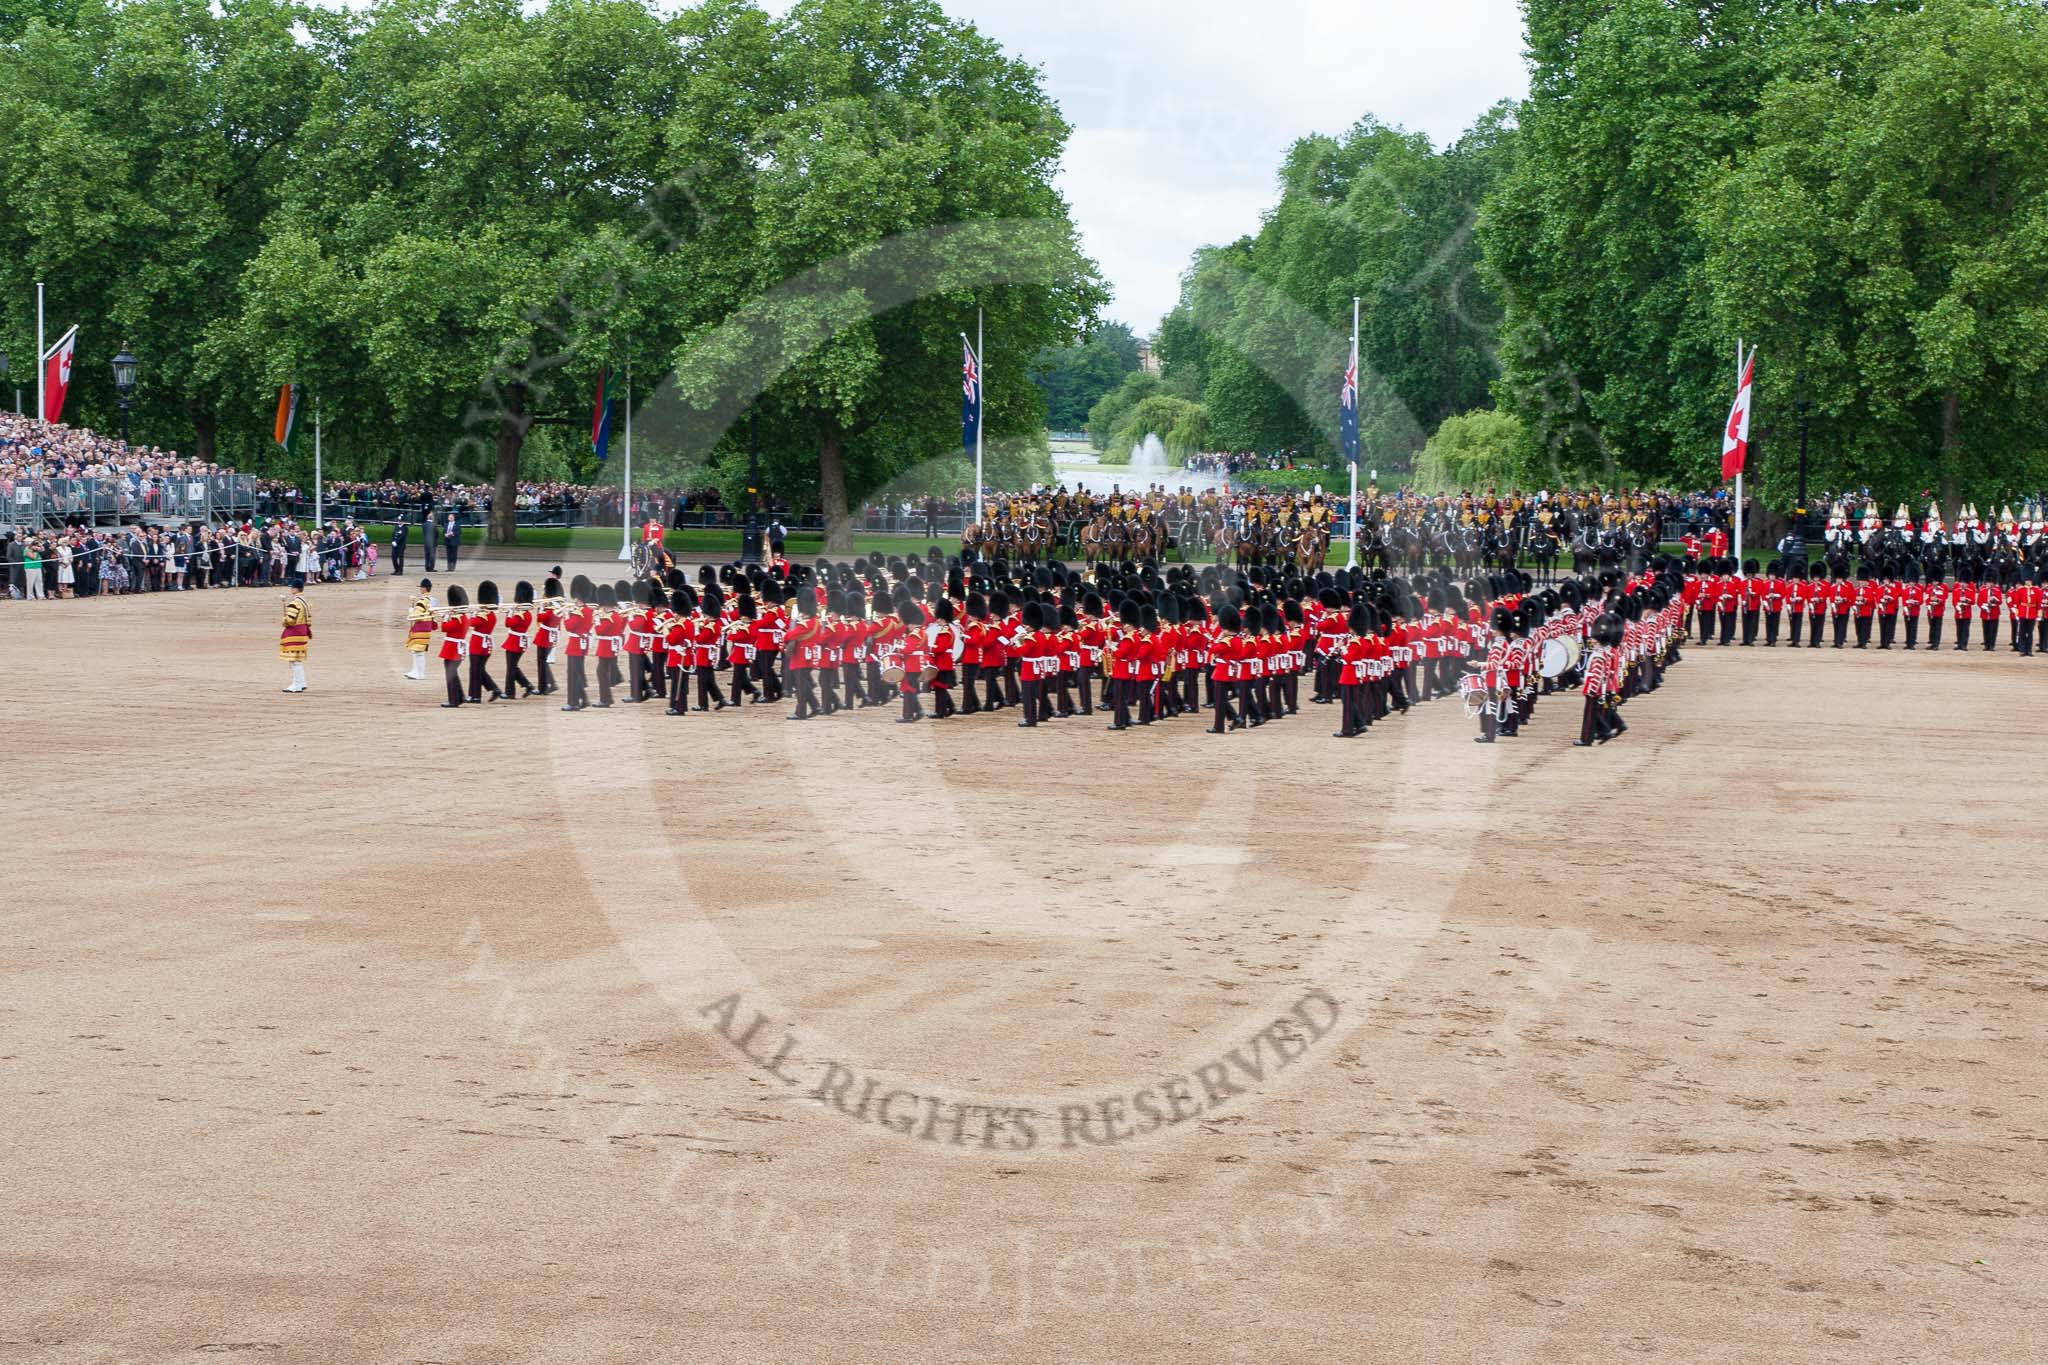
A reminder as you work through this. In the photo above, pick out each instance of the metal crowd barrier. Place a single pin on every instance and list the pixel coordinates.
(115, 501)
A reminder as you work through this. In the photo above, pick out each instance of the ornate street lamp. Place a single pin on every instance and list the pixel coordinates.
(126, 367)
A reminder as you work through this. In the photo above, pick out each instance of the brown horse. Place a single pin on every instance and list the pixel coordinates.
(1311, 547)
(1222, 539)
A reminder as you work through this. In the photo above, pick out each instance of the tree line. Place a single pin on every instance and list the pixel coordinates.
(444, 218)
(1861, 191)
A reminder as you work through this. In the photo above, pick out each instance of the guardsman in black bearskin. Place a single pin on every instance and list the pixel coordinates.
(769, 628)
(1731, 601)
(1352, 660)
(610, 629)
(1499, 702)
(942, 643)
(911, 615)
(483, 626)
(739, 646)
(1775, 591)
(454, 626)
(1031, 689)
(678, 645)
(519, 628)
(1752, 600)
(1223, 659)
(707, 636)
(548, 633)
(1887, 610)
(578, 642)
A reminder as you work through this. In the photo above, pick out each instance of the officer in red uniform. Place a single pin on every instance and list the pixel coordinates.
(2026, 612)
(1962, 604)
(1888, 599)
(1912, 601)
(519, 633)
(1842, 605)
(677, 630)
(908, 629)
(1354, 666)
(1866, 606)
(1752, 590)
(547, 629)
(1224, 651)
(454, 628)
(1775, 591)
(1125, 652)
(483, 625)
(1990, 609)
(579, 625)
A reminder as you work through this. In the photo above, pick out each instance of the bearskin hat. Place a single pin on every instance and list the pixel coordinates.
(457, 597)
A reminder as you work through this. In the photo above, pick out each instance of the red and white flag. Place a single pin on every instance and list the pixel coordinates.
(57, 375)
(1735, 440)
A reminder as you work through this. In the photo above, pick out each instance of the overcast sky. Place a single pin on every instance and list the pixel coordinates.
(1182, 109)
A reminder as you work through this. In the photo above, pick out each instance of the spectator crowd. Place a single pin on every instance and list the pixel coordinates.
(107, 561)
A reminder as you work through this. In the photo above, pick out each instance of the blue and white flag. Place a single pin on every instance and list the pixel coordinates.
(970, 397)
(1347, 407)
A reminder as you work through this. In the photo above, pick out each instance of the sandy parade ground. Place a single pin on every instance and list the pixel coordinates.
(338, 1027)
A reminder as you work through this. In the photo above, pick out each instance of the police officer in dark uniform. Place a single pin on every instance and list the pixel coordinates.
(398, 533)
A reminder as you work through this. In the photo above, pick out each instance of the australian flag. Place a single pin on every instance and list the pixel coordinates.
(1347, 408)
(601, 415)
(970, 397)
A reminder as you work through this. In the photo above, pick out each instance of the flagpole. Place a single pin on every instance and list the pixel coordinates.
(980, 410)
(41, 359)
(319, 514)
(1351, 552)
(626, 506)
(1738, 473)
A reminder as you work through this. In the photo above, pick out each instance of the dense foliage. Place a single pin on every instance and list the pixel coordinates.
(445, 217)
(1859, 189)
(1074, 378)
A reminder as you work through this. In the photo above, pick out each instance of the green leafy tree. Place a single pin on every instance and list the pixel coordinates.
(1475, 451)
(474, 224)
(143, 147)
(1106, 418)
(1074, 378)
(896, 173)
(1594, 238)
(1886, 241)
(1376, 215)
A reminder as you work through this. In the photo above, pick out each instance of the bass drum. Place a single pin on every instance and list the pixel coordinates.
(1472, 691)
(1559, 657)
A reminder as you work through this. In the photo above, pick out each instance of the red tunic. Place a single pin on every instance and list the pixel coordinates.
(518, 631)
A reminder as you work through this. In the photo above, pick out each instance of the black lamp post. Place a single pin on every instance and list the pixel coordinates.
(125, 369)
(1805, 420)
(750, 534)
(3, 379)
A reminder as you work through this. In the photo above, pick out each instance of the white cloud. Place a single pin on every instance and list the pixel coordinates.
(1182, 109)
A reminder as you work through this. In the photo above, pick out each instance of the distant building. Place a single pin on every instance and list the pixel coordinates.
(1148, 359)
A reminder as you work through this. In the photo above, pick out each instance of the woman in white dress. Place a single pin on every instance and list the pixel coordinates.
(64, 574)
